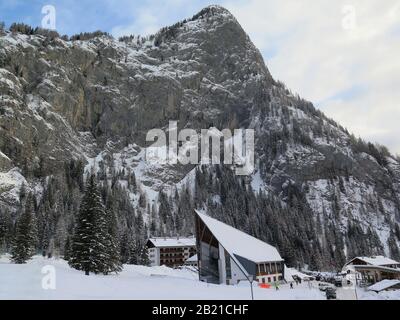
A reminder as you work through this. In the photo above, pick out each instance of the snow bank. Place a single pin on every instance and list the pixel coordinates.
(384, 295)
(384, 284)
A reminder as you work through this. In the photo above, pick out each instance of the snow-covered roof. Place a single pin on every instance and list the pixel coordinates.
(173, 242)
(192, 259)
(384, 284)
(239, 243)
(376, 260)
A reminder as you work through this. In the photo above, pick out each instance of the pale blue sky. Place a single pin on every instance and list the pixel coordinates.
(353, 74)
(74, 16)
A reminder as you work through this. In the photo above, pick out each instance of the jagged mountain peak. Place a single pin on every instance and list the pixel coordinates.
(214, 20)
(213, 9)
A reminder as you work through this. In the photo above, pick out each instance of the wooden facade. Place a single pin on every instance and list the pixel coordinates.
(372, 274)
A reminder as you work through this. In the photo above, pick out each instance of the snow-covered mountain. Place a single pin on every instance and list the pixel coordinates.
(69, 106)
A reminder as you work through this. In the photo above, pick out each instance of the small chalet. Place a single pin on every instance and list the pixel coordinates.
(369, 270)
(227, 255)
(172, 252)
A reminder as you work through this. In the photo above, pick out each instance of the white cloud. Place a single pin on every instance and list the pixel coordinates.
(146, 23)
(322, 61)
(151, 15)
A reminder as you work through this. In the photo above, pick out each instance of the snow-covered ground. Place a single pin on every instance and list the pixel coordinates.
(349, 293)
(143, 283)
(384, 295)
(134, 282)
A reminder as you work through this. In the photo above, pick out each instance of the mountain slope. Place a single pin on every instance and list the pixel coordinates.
(69, 107)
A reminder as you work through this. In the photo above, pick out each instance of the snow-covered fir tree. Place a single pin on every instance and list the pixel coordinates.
(144, 257)
(67, 249)
(93, 249)
(26, 235)
(114, 262)
(6, 231)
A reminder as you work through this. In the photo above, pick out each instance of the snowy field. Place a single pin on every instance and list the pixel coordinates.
(134, 282)
(143, 283)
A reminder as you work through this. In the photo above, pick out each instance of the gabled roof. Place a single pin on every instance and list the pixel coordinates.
(238, 243)
(383, 285)
(173, 242)
(358, 268)
(376, 261)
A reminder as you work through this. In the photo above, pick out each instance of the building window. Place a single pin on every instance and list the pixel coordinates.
(228, 265)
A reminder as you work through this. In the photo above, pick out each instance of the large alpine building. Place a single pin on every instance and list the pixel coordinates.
(227, 255)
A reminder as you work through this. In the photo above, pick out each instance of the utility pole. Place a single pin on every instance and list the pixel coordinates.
(355, 286)
(251, 286)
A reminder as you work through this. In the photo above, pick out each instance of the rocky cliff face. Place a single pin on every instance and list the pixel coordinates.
(96, 99)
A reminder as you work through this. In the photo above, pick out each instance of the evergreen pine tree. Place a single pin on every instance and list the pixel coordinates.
(6, 228)
(142, 200)
(113, 263)
(124, 247)
(67, 249)
(90, 244)
(165, 209)
(144, 256)
(133, 252)
(393, 248)
(26, 235)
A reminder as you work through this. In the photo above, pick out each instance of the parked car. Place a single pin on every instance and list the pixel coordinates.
(338, 282)
(330, 293)
(330, 280)
(323, 286)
